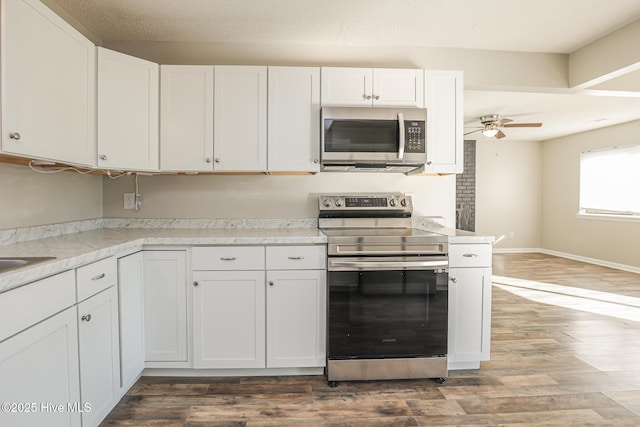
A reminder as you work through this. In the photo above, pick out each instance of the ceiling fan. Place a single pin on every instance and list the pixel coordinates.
(492, 125)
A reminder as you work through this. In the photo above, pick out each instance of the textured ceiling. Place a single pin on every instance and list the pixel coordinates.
(557, 26)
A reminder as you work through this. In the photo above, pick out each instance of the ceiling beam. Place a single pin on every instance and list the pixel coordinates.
(607, 58)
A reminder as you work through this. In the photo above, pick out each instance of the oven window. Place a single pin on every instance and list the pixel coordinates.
(387, 314)
(361, 136)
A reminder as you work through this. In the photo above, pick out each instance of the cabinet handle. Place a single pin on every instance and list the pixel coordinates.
(453, 280)
(296, 258)
(228, 259)
(207, 160)
(103, 157)
(429, 163)
(98, 277)
(367, 97)
(86, 318)
(217, 160)
(196, 283)
(316, 161)
(470, 255)
(271, 283)
(15, 136)
(376, 97)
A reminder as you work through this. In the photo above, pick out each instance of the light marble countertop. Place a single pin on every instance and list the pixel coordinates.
(77, 249)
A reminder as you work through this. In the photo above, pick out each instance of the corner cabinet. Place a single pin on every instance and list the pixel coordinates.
(294, 119)
(469, 305)
(240, 119)
(444, 103)
(372, 87)
(128, 103)
(165, 308)
(48, 83)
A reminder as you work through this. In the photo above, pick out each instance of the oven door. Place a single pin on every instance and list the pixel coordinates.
(387, 307)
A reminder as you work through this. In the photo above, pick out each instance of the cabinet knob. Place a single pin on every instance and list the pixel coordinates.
(453, 280)
(271, 283)
(429, 163)
(103, 157)
(217, 160)
(86, 318)
(208, 160)
(14, 136)
(196, 283)
(316, 161)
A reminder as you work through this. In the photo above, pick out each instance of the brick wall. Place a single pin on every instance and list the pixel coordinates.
(466, 190)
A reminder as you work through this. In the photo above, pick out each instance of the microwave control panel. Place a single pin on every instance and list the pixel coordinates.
(414, 133)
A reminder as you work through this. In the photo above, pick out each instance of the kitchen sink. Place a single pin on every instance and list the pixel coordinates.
(10, 263)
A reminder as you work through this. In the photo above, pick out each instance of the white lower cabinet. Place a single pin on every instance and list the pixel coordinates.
(296, 313)
(40, 365)
(99, 355)
(165, 306)
(130, 302)
(229, 319)
(469, 305)
(252, 318)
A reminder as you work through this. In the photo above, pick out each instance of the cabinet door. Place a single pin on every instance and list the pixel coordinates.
(99, 355)
(469, 315)
(165, 306)
(186, 118)
(294, 119)
(240, 119)
(443, 95)
(40, 365)
(398, 88)
(48, 83)
(296, 318)
(127, 112)
(229, 319)
(346, 87)
(130, 300)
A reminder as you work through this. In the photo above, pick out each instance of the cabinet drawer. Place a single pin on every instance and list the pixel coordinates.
(470, 255)
(96, 277)
(296, 257)
(29, 304)
(228, 258)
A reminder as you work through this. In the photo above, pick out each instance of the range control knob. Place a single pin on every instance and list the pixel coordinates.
(339, 203)
(404, 202)
(326, 203)
(393, 202)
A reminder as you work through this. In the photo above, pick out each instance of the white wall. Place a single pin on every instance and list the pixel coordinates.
(509, 192)
(262, 196)
(606, 240)
(28, 198)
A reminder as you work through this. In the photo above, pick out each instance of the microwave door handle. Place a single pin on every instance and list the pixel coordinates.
(401, 145)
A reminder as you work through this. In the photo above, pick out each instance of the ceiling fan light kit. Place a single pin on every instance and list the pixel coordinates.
(492, 125)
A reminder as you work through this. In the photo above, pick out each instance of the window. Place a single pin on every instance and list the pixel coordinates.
(610, 182)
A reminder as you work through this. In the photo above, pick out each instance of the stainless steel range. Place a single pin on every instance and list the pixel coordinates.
(388, 296)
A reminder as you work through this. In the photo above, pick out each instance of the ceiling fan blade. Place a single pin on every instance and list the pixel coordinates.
(473, 131)
(500, 134)
(502, 121)
(523, 125)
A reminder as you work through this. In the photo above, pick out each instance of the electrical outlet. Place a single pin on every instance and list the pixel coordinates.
(129, 201)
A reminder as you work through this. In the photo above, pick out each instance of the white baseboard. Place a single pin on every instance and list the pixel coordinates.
(581, 258)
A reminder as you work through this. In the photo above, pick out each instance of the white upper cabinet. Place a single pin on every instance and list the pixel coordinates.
(186, 118)
(240, 119)
(48, 83)
(377, 87)
(294, 119)
(445, 140)
(128, 92)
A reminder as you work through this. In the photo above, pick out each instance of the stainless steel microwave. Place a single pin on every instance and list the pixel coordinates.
(373, 139)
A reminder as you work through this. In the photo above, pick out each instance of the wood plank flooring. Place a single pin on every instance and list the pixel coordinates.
(565, 351)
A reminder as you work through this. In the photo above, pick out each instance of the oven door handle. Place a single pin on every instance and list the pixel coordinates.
(388, 264)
